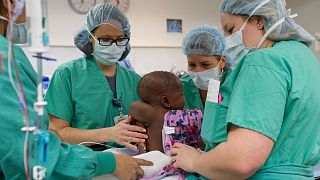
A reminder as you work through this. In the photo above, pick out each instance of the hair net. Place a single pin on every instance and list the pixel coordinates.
(102, 14)
(272, 12)
(204, 40)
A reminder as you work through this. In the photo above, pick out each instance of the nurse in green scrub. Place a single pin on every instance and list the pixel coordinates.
(267, 125)
(89, 95)
(65, 161)
(204, 47)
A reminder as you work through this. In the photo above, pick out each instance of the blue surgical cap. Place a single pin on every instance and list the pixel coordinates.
(204, 40)
(102, 14)
(272, 12)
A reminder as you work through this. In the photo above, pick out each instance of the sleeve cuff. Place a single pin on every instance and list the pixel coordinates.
(51, 111)
(255, 128)
(106, 163)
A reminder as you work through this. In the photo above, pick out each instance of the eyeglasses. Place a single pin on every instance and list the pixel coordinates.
(109, 42)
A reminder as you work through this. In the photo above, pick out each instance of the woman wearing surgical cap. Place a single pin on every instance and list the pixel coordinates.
(88, 96)
(19, 152)
(204, 47)
(267, 125)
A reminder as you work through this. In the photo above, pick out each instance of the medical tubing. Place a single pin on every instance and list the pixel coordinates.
(21, 95)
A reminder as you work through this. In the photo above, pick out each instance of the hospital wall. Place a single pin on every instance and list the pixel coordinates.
(308, 16)
(152, 47)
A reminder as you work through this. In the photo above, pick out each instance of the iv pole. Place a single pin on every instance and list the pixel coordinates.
(39, 43)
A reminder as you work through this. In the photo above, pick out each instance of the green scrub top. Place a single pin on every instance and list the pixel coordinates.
(80, 94)
(276, 92)
(64, 161)
(192, 93)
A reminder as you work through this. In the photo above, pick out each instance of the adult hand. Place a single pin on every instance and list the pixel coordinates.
(128, 168)
(184, 156)
(123, 133)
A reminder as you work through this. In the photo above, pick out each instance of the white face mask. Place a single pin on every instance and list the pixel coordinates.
(201, 79)
(235, 46)
(107, 55)
(19, 32)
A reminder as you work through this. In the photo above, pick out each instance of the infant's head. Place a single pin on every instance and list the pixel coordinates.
(163, 89)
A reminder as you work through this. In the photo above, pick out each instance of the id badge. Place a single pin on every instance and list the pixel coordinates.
(118, 119)
(213, 91)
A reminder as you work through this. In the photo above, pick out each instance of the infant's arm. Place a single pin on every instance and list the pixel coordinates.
(142, 112)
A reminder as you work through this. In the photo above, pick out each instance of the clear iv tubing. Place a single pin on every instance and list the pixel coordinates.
(21, 95)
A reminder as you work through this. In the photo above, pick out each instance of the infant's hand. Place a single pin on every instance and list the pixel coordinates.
(142, 147)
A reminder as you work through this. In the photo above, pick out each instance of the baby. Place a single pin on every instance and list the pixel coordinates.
(162, 114)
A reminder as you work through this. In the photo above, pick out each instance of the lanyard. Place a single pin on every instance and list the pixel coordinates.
(117, 103)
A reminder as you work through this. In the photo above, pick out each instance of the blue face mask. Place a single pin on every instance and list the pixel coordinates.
(107, 55)
(236, 48)
(19, 32)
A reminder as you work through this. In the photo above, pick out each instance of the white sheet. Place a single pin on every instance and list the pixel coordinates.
(317, 171)
(159, 161)
(127, 151)
(158, 158)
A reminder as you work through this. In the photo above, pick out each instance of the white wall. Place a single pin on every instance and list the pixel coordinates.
(147, 19)
(153, 48)
(144, 60)
(62, 54)
(308, 15)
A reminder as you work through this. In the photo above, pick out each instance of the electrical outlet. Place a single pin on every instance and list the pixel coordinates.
(317, 44)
